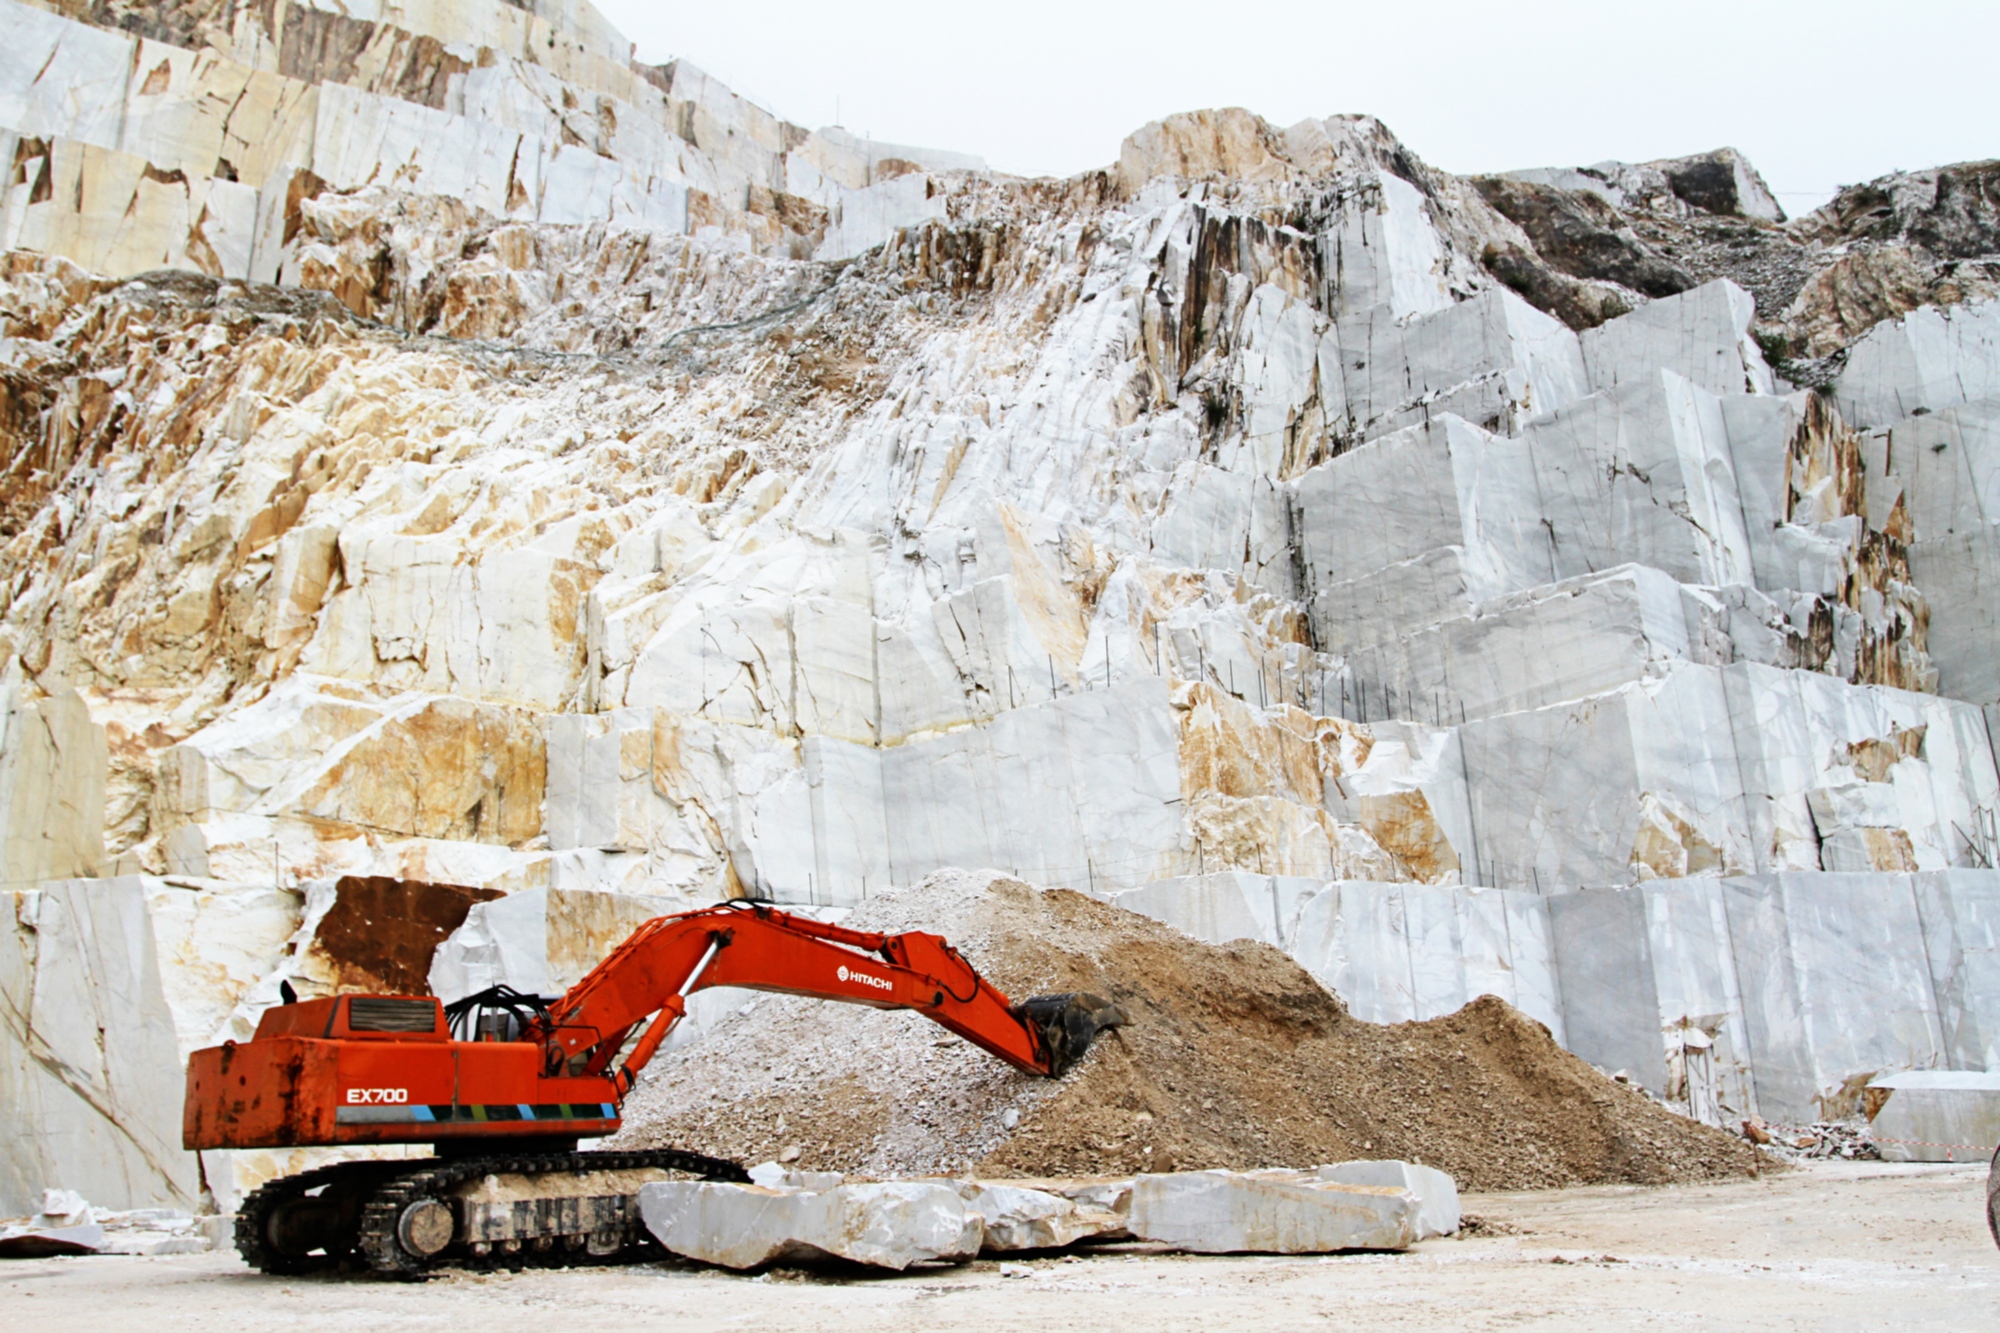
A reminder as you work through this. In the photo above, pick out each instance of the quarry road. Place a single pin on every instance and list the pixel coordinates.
(1826, 1246)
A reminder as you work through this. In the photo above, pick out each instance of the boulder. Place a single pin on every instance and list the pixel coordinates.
(891, 1224)
(1436, 1192)
(1225, 1212)
(1018, 1217)
(1934, 1115)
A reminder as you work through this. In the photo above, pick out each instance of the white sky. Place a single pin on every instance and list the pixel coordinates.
(1819, 93)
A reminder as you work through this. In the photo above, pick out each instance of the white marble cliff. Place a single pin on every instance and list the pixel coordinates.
(441, 448)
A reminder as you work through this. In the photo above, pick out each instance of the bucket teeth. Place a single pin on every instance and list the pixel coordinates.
(1069, 1023)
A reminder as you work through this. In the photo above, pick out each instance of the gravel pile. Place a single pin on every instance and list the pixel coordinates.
(1236, 1058)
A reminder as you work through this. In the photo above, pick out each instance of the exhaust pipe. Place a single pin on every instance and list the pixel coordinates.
(1069, 1023)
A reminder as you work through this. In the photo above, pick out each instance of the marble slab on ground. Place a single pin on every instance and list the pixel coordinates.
(1934, 1115)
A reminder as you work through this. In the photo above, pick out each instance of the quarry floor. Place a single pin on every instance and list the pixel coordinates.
(1825, 1246)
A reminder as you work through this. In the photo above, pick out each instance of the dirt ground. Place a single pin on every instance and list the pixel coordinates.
(1830, 1246)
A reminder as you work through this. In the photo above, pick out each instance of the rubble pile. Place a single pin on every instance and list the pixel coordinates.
(68, 1225)
(466, 490)
(1821, 1140)
(1235, 1058)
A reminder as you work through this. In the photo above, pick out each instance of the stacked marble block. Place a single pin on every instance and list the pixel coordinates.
(1927, 389)
(131, 154)
(1663, 595)
(1737, 845)
(1777, 995)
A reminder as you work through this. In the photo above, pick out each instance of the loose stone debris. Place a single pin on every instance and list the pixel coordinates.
(1236, 1058)
(1819, 1141)
(68, 1224)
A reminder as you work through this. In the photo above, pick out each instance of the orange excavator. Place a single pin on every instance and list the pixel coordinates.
(503, 1085)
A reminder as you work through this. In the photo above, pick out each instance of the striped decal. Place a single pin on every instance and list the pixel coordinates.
(473, 1115)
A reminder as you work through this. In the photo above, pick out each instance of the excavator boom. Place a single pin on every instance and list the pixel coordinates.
(760, 948)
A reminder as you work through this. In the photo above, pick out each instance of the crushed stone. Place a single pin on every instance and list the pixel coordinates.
(1236, 1057)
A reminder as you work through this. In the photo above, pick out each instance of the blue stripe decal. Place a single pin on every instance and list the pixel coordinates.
(463, 1114)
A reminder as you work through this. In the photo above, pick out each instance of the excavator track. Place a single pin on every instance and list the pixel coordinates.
(387, 1230)
(263, 1226)
(368, 1219)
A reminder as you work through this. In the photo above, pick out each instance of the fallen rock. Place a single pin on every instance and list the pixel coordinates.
(1934, 1115)
(772, 1176)
(1436, 1192)
(887, 1225)
(32, 1242)
(1018, 1217)
(1223, 1212)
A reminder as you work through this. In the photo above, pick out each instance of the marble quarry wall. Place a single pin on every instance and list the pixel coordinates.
(467, 492)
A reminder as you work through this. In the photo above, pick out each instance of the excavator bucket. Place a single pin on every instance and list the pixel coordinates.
(1069, 1023)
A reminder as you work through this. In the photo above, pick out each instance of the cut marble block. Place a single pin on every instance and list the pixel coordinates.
(1649, 987)
(53, 760)
(1398, 952)
(1281, 374)
(1382, 249)
(60, 78)
(1943, 468)
(215, 942)
(317, 754)
(1225, 905)
(539, 941)
(1397, 600)
(88, 1072)
(1709, 770)
(1215, 519)
(1961, 915)
(1436, 1191)
(1082, 791)
(1805, 945)
(1491, 359)
(1928, 360)
(1802, 504)
(1643, 780)
(1020, 1218)
(864, 219)
(1702, 335)
(1642, 473)
(1447, 483)
(1225, 1212)
(891, 1224)
(1733, 997)
(1583, 636)
(1934, 1115)
(1799, 732)
(1960, 578)
(1939, 476)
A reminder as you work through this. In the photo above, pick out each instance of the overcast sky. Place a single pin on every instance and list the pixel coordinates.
(1818, 94)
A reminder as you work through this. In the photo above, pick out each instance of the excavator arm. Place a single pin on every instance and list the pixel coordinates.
(644, 984)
